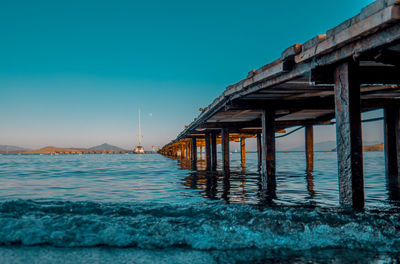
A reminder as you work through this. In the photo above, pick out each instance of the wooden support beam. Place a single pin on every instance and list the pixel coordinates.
(309, 137)
(239, 127)
(243, 152)
(253, 123)
(368, 75)
(280, 104)
(388, 57)
(208, 150)
(392, 151)
(268, 128)
(194, 153)
(348, 134)
(259, 151)
(213, 150)
(225, 149)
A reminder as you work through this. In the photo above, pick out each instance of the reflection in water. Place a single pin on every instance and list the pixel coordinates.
(232, 186)
(294, 185)
(310, 184)
(393, 189)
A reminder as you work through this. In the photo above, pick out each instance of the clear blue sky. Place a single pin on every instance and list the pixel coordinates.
(73, 73)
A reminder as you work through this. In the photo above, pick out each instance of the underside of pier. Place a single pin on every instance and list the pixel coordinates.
(354, 67)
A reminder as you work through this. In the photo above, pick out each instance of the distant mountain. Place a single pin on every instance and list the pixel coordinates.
(105, 146)
(4, 148)
(52, 149)
(376, 147)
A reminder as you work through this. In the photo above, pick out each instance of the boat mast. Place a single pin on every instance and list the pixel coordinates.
(140, 130)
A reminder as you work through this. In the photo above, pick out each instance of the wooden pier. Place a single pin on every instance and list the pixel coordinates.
(354, 67)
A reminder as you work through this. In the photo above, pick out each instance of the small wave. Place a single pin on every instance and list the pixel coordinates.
(196, 226)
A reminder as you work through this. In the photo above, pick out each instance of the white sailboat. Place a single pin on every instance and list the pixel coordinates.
(139, 148)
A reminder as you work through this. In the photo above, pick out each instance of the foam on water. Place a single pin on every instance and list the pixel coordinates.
(205, 227)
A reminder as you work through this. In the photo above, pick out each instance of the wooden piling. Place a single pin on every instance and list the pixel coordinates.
(259, 151)
(243, 152)
(213, 150)
(208, 150)
(225, 149)
(182, 151)
(348, 134)
(309, 142)
(268, 146)
(194, 153)
(392, 150)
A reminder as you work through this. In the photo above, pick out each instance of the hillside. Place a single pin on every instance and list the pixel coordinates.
(52, 149)
(376, 147)
(5, 148)
(107, 147)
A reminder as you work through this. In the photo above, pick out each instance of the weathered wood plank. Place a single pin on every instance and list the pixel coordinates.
(368, 75)
(392, 150)
(243, 152)
(370, 24)
(309, 143)
(348, 134)
(268, 128)
(259, 152)
(208, 150)
(214, 150)
(194, 153)
(225, 149)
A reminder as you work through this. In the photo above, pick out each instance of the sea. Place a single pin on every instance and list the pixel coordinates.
(127, 208)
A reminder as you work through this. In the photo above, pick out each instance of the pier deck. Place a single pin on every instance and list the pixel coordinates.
(354, 67)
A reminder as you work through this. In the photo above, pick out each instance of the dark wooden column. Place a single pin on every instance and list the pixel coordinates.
(194, 153)
(225, 149)
(208, 150)
(268, 146)
(392, 151)
(213, 150)
(243, 152)
(182, 151)
(309, 135)
(348, 134)
(259, 151)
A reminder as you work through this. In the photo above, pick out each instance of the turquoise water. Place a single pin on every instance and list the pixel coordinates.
(150, 209)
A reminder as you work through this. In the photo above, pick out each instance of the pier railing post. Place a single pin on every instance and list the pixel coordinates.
(268, 146)
(208, 150)
(225, 149)
(194, 153)
(243, 152)
(392, 151)
(309, 138)
(213, 150)
(348, 134)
